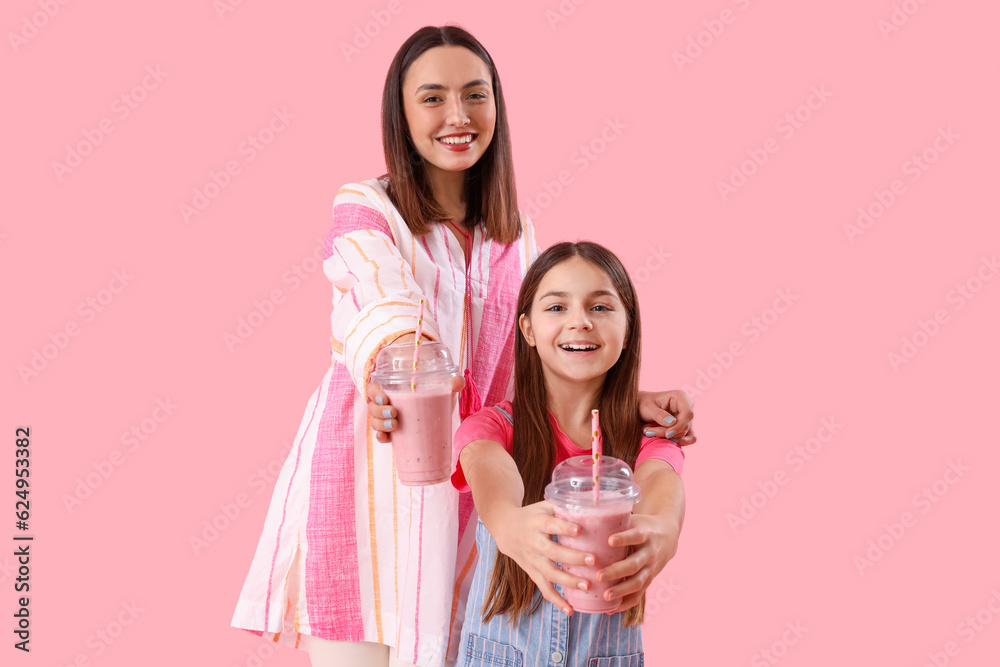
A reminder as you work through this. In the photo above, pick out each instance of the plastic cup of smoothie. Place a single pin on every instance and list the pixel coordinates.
(422, 440)
(571, 492)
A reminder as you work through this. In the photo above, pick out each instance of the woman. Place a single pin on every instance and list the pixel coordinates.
(352, 566)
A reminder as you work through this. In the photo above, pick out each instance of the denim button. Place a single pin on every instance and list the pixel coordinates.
(557, 657)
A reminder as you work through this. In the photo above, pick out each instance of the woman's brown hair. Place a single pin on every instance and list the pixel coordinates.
(489, 184)
(511, 590)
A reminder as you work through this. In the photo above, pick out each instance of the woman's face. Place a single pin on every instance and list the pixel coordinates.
(449, 107)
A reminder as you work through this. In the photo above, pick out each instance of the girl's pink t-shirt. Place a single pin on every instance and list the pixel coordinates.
(489, 424)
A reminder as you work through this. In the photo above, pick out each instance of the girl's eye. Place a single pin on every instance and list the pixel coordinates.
(481, 96)
(555, 308)
(432, 98)
(601, 308)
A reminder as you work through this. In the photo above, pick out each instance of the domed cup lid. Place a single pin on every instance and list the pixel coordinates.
(573, 482)
(394, 364)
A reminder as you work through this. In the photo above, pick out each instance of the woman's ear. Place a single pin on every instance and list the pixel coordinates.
(524, 324)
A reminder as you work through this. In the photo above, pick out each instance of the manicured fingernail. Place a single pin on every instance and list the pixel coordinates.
(650, 434)
(378, 399)
(673, 440)
(387, 412)
(668, 420)
(582, 586)
(388, 423)
(565, 610)
(671, 434)
(589, 560)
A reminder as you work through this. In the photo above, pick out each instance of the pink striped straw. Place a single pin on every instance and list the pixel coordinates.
(416, 350)
(595, 450)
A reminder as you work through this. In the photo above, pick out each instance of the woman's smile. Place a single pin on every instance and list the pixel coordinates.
(460, 141)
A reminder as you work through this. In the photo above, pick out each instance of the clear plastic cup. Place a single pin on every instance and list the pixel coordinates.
(422, 441)
(571, 492)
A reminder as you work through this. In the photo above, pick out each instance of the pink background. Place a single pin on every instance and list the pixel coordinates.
(653, 190)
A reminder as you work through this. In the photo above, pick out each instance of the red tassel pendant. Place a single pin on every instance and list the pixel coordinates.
(469, 402)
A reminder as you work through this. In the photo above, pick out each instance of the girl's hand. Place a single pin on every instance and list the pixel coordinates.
(526, 538)
(654, 542)
(383, 417)
(674, 409)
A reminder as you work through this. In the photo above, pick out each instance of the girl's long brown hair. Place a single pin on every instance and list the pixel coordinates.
(511, 590)
(489, 184)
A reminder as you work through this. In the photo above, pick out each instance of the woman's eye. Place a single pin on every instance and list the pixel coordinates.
(600, 307)
(481, 96)
(432, 98)
(555, 308)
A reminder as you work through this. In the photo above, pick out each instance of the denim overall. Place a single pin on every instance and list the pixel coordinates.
(547, 638)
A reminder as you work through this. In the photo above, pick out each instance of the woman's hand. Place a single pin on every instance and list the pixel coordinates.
(654, 542)
(525, 536)
(674, 409)
(383, 417)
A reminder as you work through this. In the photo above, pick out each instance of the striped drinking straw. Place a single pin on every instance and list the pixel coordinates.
(416, 350)
(595, 450)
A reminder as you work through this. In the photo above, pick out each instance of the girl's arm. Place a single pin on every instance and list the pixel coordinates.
(523, 533)
(674, 409)
(656, 527)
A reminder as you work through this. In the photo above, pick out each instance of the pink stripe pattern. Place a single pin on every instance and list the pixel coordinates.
(332, 560)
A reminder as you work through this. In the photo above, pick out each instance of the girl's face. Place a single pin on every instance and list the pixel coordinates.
(576, 322)
(449, 107)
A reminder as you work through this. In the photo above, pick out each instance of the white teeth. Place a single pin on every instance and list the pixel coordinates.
(456, 140)
(578, 348)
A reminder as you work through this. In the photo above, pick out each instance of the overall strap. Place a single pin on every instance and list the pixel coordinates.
(506, 414)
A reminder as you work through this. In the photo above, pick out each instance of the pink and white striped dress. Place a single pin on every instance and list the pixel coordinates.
(348, 553)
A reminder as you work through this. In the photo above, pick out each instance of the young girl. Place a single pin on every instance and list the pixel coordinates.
(578, 350)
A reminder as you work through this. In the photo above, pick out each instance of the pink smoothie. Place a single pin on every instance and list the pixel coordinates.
(421, 443)
(597, 524)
